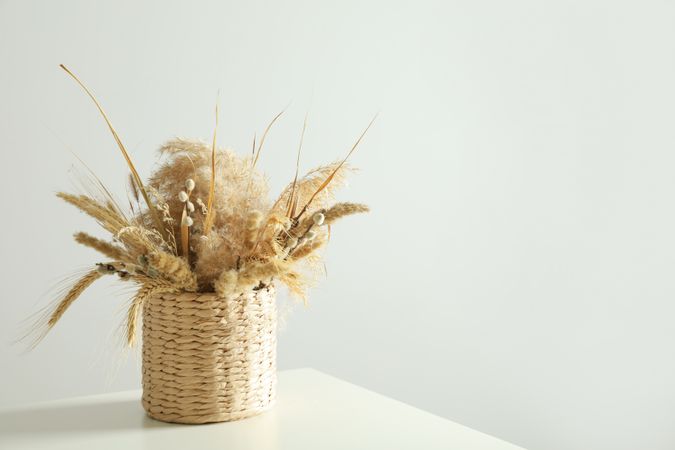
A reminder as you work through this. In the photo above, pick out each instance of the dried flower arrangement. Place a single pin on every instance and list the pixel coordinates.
(203, 223)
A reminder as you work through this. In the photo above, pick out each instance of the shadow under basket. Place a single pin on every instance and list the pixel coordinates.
(209, 359)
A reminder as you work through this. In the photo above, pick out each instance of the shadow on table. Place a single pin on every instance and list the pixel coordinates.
(99, 417)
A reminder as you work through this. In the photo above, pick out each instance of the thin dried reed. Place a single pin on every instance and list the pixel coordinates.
(308, 185)
(208, 221)
(292, 203)
(262, 140)
(334, 172)
(132, 168)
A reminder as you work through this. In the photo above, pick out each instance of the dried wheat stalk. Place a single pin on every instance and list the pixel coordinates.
(147, 289)
(78, 288)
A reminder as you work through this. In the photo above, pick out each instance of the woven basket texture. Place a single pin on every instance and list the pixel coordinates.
(209, 359)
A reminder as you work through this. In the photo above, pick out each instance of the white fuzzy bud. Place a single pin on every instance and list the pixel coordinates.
(189, 184)
(292, 242)
(318, 219)
(311, 234)
(190, 206)
(182, 196)
(187, 221)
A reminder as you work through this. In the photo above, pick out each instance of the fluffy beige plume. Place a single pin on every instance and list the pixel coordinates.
(226, 284)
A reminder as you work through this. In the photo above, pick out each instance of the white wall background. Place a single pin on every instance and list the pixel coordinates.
(516, 274)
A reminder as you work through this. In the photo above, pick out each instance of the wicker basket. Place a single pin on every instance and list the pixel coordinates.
(209, 359)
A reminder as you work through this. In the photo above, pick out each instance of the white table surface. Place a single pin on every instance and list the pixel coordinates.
(314, 411)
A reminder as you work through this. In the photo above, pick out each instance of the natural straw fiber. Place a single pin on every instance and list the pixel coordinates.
(209, 359)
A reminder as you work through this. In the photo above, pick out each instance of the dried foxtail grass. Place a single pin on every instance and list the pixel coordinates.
(105, 248)
(206, 223)
(342, 210)
(172, 269)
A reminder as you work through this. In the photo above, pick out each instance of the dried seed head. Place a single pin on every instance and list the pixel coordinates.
(190, 206)
(187, 221)
(302, 240)
(311, 234)
(292, 242)
(189, 184)
(182, 196)
(318, 219)
(105, 268)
